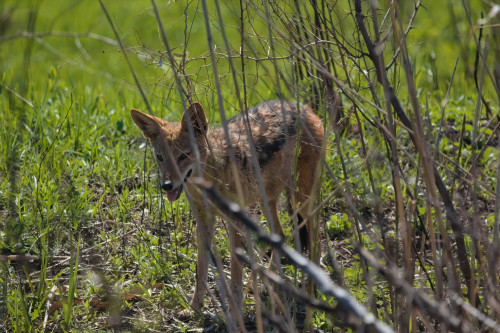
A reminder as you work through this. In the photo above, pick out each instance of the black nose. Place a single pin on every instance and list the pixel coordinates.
(167, 186)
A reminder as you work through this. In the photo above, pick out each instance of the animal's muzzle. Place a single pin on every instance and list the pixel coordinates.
(173, 193)
(167, 186)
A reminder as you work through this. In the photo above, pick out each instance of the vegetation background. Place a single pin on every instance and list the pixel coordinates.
(87, 243)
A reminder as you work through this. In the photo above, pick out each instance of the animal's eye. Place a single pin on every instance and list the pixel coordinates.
(183, 156)
(159, 158)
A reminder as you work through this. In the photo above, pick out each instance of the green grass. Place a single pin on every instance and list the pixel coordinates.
(78, 184)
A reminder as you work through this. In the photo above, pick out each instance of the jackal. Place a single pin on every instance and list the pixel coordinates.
(279, 132)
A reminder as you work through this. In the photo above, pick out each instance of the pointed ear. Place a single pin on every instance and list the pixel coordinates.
(149, 125)
(196, 116)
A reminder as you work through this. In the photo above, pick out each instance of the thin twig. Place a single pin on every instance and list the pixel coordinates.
(125, 55)
(410, 26)
(19, 96)
(31, 35)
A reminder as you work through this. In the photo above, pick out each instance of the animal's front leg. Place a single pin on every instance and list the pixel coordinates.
(236, 240)
(204, 239)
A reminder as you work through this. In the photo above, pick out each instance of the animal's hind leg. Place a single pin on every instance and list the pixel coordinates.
(307, 172)
(274, 224)
(236, 240)
(272, 216)
(304, 201)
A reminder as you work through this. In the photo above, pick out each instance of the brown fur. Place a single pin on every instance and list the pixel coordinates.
(275, 127)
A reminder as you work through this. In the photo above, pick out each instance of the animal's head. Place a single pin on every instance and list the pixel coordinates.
(172, 145)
